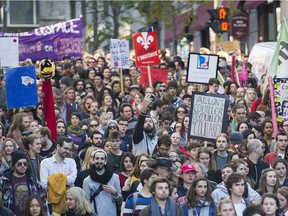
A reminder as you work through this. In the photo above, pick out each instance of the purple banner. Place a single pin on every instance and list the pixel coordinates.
(52, 41)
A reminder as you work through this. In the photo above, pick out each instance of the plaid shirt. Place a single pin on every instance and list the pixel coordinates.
(6, 184)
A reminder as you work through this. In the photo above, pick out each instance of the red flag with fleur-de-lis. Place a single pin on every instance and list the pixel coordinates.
(146, 48)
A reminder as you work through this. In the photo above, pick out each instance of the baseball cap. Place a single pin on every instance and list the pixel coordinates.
(187, 168)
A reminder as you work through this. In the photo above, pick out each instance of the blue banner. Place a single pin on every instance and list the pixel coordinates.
(21, 88)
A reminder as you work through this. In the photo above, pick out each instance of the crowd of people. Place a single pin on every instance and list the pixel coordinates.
(124, 149)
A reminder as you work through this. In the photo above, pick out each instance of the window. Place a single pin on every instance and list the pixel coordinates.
(22, 13)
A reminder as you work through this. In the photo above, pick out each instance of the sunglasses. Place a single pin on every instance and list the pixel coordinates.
(162, 90)
(94, 126)
(112, 127)
(180, 111)
(88, 88)
(168, 122)
(19, 164)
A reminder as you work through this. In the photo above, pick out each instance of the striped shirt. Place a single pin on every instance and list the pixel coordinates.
(141, 203)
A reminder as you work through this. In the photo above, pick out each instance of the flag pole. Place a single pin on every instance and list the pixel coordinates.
(121, 80)
(273, 110)
(149, 76)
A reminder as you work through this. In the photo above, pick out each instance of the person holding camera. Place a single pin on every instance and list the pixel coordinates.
(145, 134)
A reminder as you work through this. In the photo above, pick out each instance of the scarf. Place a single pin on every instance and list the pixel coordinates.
(75, 130)
(204, 208)
(170, 208)
(103, 179)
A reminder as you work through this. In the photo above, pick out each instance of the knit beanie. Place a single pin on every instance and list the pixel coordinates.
(16, 156)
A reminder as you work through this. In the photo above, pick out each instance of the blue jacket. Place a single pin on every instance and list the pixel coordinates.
(212, 209)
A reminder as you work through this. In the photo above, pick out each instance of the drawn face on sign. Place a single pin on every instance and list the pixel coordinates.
(285, 108)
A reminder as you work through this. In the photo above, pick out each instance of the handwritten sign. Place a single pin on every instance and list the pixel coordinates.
(201, 68)
(9, 52)
(208, 116)
(21, 86)
(119, 50)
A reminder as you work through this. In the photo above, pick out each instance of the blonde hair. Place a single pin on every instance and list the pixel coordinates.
(83, 206)
(85, 163)
(224, 201)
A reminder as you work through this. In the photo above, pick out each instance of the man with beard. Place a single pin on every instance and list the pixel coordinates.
(161, 203)
(17, 184)
(59, 163)
(163, 146)
(46, 143)
(102, 186)
(61, 128)
(65, 108)
(145, 134)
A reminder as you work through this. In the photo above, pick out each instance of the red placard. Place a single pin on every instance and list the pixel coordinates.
(156, 74)
(146, 48)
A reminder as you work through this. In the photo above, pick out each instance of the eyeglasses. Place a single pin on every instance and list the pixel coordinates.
(126, 125)
(162, 90)
(95, 125)
(19, 164)
(113, 127)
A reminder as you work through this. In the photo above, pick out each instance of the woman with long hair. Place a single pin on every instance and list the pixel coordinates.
(250, 97)
(184, 130)
(242, 126)
(199, 200)
(77, 203)
(270, 204)
(102, 92)
(8, 147)
(126, 167)
(75, 131)
(205, 157)
(282, 195)
(280, 165)
(179, 114)
(34, 206)
(268, 182)
(138, 99)
(107, 102)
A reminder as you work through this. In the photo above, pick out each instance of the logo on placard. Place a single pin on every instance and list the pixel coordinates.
(203, 62)
(145, 40)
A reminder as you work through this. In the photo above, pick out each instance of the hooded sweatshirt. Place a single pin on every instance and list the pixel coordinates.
(142, 142)
(221, 191)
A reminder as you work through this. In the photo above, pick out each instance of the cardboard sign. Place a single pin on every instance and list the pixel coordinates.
(156, 74)
(208, 116)
(9, 52)
(201, 67)
(21, 86)
(146, 48)
(119, 50)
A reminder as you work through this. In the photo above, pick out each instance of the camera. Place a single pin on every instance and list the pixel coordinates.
(152, 96)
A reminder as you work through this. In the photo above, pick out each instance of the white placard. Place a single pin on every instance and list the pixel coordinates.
(9, 52)
(201, 68)
(119, 50)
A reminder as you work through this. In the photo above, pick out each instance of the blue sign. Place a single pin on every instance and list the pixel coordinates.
(21, 88)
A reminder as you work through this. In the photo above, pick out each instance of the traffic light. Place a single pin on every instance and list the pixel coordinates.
(219, 20)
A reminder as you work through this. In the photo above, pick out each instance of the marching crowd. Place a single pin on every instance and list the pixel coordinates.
(124, 149)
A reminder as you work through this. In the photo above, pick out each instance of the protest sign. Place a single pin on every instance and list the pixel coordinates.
(119, 50)
(21, 86)
(281, 98)
(52, 41)
(146, 48)
(156, 74)
(9, 52)
(208, 116)
(201, 67)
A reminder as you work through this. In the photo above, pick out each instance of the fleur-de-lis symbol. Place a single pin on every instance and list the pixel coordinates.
(145, 40)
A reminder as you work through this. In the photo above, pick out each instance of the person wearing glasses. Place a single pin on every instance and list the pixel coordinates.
(18, 184)
(126, 140)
